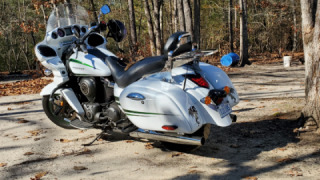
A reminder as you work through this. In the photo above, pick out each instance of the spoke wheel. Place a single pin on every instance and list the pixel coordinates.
(62, 118)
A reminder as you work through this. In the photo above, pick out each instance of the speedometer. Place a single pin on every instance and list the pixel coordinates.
(61, 32)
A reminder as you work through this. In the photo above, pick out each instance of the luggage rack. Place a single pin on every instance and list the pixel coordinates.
(187, 57)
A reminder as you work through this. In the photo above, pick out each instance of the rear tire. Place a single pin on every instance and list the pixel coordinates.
(204, 131)
(49, 109)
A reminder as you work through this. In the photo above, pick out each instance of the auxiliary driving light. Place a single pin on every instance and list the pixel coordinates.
(47, 72)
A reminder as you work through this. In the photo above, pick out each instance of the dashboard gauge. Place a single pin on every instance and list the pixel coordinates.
(54, 35)
(83, 29)
(61, 32)
(68, 31)
(76, 28)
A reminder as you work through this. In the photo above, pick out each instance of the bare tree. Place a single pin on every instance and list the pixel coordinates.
(150, 27)
(181, 15)
(175, 15)
(230, 25)
(310, 10)
(133, 31)
(295, 34)
(157, 30)
(188, 16)
(244, 54)
(197, 23)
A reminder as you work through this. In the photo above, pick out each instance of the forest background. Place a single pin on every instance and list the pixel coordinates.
(273, 28)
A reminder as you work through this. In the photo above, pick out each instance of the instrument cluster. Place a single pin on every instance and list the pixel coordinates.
(68, 31)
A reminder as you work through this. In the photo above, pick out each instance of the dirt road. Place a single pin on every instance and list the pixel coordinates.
(262, 144)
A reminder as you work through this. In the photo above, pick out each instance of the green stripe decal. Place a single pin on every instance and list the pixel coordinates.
(79, 62)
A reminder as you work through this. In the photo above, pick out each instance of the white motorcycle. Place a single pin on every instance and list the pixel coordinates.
(172, 98)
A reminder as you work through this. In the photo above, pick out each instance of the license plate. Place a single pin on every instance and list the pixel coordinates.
(224, 110)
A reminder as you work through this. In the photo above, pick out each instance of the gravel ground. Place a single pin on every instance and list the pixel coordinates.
(263, 144)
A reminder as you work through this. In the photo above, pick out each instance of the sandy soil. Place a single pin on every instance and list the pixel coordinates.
(263, 144)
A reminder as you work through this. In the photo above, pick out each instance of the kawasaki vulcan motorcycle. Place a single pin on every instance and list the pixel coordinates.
(173, 98)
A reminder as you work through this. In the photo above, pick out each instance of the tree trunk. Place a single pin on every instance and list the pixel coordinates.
(150, 27)
(230, 26)
(197, 22)
(244, 55)
(175, 15)
(295, 35)
(133, 31)
(181, 15)
(157, 31)
(310, 10)
(188, 16)
(94, 10)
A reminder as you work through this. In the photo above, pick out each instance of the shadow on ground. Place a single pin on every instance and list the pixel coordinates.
(243, 142)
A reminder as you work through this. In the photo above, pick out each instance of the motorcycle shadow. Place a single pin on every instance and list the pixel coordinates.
(251, 138)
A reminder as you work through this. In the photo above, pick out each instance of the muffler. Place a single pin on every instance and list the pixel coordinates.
(194, 140)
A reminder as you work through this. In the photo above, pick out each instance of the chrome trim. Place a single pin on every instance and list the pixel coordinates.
(136, 96)
(47, 72)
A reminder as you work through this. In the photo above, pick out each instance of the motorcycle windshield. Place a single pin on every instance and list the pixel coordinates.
(66, 15)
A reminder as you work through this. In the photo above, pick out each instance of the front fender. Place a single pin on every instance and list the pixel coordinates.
(47, 90)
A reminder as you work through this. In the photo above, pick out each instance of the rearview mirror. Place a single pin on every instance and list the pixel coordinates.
(105, 9)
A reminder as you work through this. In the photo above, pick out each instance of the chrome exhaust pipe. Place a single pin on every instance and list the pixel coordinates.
(195, 140)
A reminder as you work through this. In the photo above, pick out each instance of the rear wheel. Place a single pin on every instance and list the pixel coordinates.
(60, 118)
(204, 131)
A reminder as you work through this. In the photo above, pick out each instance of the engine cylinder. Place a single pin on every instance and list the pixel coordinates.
(88, 88)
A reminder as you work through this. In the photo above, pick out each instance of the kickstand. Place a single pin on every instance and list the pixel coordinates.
(95, 139)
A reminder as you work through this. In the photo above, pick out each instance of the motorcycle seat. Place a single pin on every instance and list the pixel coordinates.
(123, 77)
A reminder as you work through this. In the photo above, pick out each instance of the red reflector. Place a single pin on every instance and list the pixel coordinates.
(170, 128)
(200, 81)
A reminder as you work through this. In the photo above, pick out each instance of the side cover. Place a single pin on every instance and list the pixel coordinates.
(151, 104)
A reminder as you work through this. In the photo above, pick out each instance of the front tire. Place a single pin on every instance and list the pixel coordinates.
(204, 131)
(49, 109)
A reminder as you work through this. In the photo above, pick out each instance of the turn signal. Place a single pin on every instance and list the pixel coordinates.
(227, 89)
(207, 100)
(170, 128)
(61, 103)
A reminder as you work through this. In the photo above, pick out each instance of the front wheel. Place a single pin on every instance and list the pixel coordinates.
(60, 118)
(204, 131)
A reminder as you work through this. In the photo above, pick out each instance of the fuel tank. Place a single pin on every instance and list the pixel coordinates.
(82, 64)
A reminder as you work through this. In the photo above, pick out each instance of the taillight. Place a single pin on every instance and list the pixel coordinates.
(200, 81)
(170, 128)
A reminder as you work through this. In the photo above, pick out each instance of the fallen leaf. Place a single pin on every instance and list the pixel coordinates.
(85, 151)
(22, 121)
(36, 139)
(65, 140)
(194, 167)
(3, 164)
(39, 175)
(81, 168)
(129, 141)
(9, 109)
(282, 149)
(176, 154)
(281, 160)
(149, 146)
(28, 153)
(250, 178)
(35, 132)
(194, 171)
